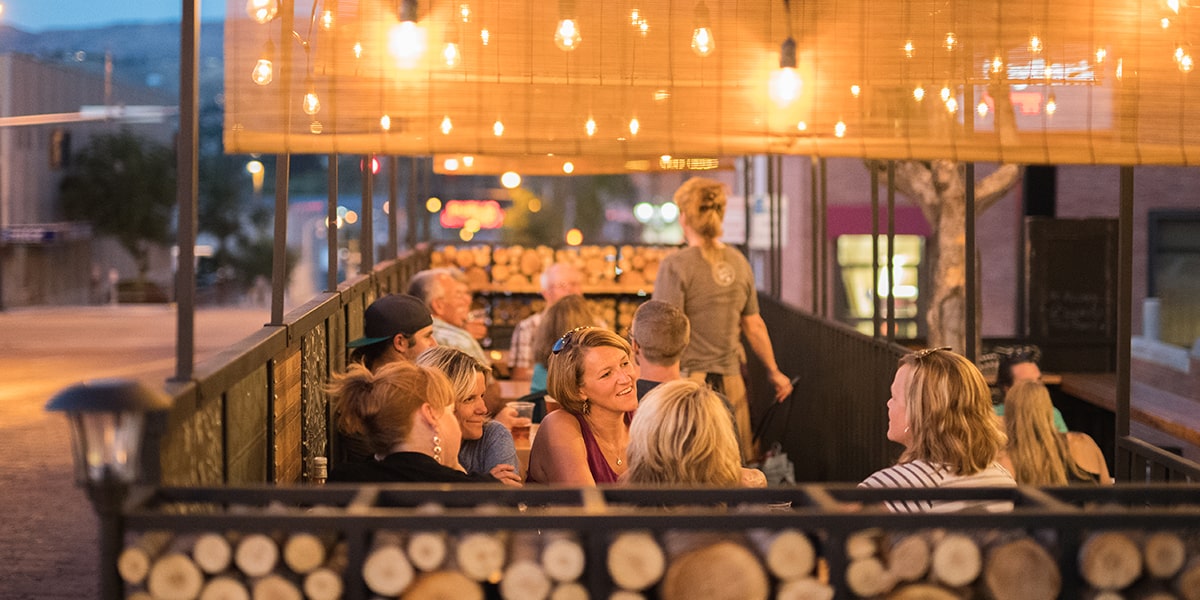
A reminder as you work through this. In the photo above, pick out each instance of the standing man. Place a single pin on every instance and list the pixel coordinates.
(558, 281)
(449, 301)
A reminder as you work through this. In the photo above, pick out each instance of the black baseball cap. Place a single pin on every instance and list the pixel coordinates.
(392, 314)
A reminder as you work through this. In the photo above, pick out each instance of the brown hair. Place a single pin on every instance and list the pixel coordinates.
(562, 316)
(702, 203)
(950, 413)
(682, 435)
(1040, 455)
(661, 330)
(378, 407)
(564, 370)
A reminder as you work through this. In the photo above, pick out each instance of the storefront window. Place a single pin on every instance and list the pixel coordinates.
(1174, 274)
(857, 306)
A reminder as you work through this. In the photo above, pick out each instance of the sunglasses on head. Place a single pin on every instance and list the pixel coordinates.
(565, 341)
(919, 354)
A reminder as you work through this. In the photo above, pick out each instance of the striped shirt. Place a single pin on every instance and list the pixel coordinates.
(919, 473)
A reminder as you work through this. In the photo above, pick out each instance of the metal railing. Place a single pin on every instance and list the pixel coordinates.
(1150, 464)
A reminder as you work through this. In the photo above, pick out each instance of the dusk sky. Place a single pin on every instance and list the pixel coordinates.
(40, 15)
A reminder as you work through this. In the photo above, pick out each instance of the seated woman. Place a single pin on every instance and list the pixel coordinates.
(1037, 453)
(592, 376)
(487, 446)
(566, 314)
(682, 435)
(405, 414)
(941, 412)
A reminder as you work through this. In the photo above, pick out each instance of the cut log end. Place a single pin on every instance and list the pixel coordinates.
(1110, 561)
(956, 560)
(866, 577)
(724, 570)
(806, 588)
(174, 577)
(524, 580)
(635, 560)
(386, 571)
(1165, 554)
(1022, 570)
(444, 585)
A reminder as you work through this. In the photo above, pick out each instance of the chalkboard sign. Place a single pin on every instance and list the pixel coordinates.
(1071, 291)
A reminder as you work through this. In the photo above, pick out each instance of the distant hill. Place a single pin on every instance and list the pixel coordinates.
(143, 53)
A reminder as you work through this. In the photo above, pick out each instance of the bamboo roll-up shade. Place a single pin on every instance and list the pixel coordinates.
(1035, 81)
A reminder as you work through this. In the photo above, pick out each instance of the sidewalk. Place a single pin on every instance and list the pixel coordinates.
(49, 534)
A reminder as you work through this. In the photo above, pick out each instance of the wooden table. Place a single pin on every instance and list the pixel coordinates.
(1169, 413)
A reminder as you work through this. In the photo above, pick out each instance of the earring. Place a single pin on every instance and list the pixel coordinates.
(587, 407)
(437, 447)
(905, 430)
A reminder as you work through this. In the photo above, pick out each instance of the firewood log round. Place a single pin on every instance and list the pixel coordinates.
(133, 564)
(444, 585)
(863, 544)
(922, 591)
(563, 557)
(386, 571)
(524, 579)
(323, 584)
(956, 560)
(788, 553)
(718, 571)
(866, 577)
(275, 587)
(1165, 554)
(174, 577)
(908, 558)
(626, 595)
(569, 591)
(427, 550)
(139, 595)
(481, 556)
(212, 553)
(224, 587)
(805, 588)
(1022, 570)
(256, 554)
(303, 552)
(635, 560)
(1110, 561)
(1188, 582)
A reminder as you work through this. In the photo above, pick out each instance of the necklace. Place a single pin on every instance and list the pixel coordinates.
(619, 462)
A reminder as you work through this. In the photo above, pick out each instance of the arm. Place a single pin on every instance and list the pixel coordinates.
(558, 455)
(755, 330)
(498, 447)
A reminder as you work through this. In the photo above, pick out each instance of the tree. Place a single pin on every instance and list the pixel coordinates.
(124, 186)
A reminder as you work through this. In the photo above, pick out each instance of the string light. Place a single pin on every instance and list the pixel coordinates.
(262, 11)
(784, 85)
(406, 40)
(703, 43)
(590, 127)
(839, 129)
(634, 126)
(909, 49)
(1035, 44)
(263, 72)
(566, 35)
(1051, 104)
(982, 109)
(951, 41)
(385, 123)
(497, 128)
(327, 16)
(1101, 54)
(311, 104)
(855, 90)
(918, 93)
(447, 126)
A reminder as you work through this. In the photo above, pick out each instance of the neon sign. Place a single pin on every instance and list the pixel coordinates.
(487, 214)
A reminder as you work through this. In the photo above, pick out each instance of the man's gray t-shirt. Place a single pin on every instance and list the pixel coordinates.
(715, 298)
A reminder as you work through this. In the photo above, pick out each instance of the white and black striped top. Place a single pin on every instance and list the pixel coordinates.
(919, 473)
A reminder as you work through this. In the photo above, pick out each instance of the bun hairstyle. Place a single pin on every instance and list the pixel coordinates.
(682, 434)
(378, 407)
(702, 202)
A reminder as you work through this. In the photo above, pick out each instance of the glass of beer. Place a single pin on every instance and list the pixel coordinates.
(520, 430)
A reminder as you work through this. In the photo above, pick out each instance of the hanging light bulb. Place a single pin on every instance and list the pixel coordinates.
(952, 105)
(997, 64)
(855, 90)
(1101, 54)
(951, 41)
(358, 49)
(784, 86)
(919, 93)
(327, 16)
(982, 109)
(1035, 44)
(1186, 63)
(468, 161)
(262, 11)
(590, 127)
(406, 40)
(447, 126)
(702, 36)
(568, 167)
(1173, 5)
(464, 12)
(634, 126)
(1051, 104)
(839, 129)
(263, 71)
(909, 49)
(385, 123)
(566, 35)
(311, 104)
(498, 128)
(450, 54)
(945, 93)
(485, 36)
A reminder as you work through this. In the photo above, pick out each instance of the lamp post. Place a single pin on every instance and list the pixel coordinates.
(107, 420)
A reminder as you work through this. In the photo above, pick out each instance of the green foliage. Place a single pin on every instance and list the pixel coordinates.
(124, 186)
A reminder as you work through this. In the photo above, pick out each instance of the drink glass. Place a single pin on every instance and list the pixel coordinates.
(520, 430)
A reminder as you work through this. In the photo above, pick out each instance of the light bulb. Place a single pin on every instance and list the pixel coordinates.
(909, 49)
(1186, 64)
(918, 93)
(263, 72)
(634, 126)
(952, 105)
(945, 94)
(450, 54)
(1035, 44)
(1101, 53)
(311, 104)
(784, 85)
(982, 109)
(568, 167)
(839, 129)
(997, 64)
(855, 90)
(327, 20)
(464, 12)
(1051, 105)
(358, 49)
(510, 179)
(385, 123)
(702, 41)
(406, 43)
(1173, 5)
(498, 128)
(951, 41)
(468, 161)
(485, 36)
(447, 126)
(262, 11)
(566, 35)
(590, 127)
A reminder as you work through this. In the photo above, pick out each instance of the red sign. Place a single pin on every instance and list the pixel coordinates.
(487, 213)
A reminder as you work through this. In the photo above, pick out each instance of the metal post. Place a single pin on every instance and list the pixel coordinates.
(283, 165)
(393, 247)
(815, 242)
(772, 241)
(822, 242)
(331, 228)
(411, 206)
(969, 312)
(891, 250)
(366, 246)
(187, 190)
(1124, 316)
(876, 305)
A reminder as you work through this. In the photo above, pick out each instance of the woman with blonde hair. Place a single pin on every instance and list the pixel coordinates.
(714, 285)
(405, 414)
(592, 376)
(682, 435)
(487, 446)
(1037, 453)
(941, 412)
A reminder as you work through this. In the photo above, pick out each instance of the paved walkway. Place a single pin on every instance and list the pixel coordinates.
(49, 534)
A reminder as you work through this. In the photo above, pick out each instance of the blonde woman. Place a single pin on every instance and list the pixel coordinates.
(682, 435)
(405, 413)
(714, 286)
(487, 446)
(1037, 453)
(941, 412)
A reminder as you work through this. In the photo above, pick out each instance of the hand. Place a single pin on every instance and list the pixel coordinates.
(507, 417)
(783, 386)
(477, 329)
(507, 474)
(753, 478)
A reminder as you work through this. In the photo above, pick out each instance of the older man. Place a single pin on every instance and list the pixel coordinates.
(559, 280)
(449, 301)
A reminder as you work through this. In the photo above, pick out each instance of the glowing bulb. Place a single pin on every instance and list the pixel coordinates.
(1101, 54)
(1178, 53)
(497, 128)
(464, 12)
(1035, 44)
(1166, 23)
(327, 20)
(839, 129)
(254, 167)
(952, 105)
(1047, 72)
(634, 126)
(510, 179)
(450, 164)
(945, 94)
(635, 16)
(1173, 5)
(568, 167)
(908, 49)
(316, 127)
(951, 41)
(702, 41)
(918, 93)
(1051, 105)
(643, 212)
(982, 108)
(1186, 64)
(802, 126)
(669, 212)
(1120, 67)
(262, 11)
(433, 204)
(784, 86)
(855, 90)
(664, 161)
(406, 43)
(468, 161)
(574, 237)
(485, 36)
(447, 126)
(311, 104)
(590, 127)
(263, 72)
(450, 54)
(358, 49)
(385, 123)
(644, 28)
(997, 64)
(566, 35)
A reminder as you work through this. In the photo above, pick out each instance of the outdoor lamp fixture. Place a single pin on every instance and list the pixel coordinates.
(107, 420)
(406, 40)
(262, 11)
(702, 36)
(264, 69)
(566, 35)
(784, 86)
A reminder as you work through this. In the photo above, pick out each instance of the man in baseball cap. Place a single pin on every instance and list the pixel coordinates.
(395, 327)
